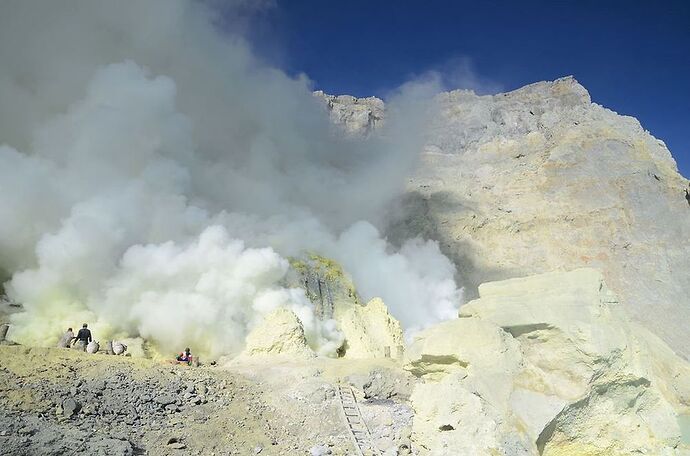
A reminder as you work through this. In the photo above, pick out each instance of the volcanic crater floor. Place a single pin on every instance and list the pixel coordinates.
(61, 402)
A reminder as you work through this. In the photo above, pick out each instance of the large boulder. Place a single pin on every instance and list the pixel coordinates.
(280, 333)
(468, 345)
(619, 416)
(450, 419)
(566, 323)
(370, 331)
(571, 327)
(555, 363)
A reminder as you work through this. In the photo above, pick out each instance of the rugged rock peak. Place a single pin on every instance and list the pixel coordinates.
(365, 330)
(541, 179)
(358, 116)
(565, 91)
(325, 283)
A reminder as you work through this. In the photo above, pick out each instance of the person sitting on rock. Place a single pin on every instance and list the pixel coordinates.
(83, 338)
(185, 356)
(66, 339)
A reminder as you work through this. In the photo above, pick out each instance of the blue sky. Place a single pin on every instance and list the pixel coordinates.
(633, 57)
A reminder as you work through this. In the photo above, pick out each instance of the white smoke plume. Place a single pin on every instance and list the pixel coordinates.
(154, 176)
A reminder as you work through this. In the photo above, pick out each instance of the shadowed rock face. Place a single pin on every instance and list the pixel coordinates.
(542, 179)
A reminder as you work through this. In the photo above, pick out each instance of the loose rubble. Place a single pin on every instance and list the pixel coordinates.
(67, 401)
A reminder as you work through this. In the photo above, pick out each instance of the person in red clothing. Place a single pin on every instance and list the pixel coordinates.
(185, 356)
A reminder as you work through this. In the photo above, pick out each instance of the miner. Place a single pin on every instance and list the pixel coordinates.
(66, 339)
(83, 338)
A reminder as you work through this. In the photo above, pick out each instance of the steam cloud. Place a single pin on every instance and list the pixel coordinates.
(155, 175)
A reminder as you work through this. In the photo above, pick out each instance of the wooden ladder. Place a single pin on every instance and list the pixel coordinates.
(353, 418)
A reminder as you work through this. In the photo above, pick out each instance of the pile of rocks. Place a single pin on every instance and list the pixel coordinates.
(111, 414)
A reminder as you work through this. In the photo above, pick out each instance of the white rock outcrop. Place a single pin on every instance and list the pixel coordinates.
(357, 116)
(280, 333)
(370, 331)
(462, 345)
(549, 365)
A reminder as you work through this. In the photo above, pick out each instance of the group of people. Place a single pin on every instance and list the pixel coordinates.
(83, 338)
(84, 341)
(80, 341)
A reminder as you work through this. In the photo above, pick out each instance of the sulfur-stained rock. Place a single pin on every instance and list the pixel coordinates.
(566, 322)
(557, 363)
(280, 333)
(462, 345)
(620, 416)
(370, 331)
(452, 420)
(570, 328)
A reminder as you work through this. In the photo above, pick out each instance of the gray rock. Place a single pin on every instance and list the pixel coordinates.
(320, 450)
(201, 389)
(109, 447)
(165, 399)
(70, 407)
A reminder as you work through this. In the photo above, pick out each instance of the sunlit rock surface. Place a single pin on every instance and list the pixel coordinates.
(280, 333)
(547, 364)
(370, 331)
(542, 179)
(358, 116)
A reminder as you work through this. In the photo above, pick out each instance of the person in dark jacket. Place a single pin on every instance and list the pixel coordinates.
(83, 338)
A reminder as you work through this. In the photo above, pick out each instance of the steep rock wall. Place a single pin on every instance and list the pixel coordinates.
(542, 179)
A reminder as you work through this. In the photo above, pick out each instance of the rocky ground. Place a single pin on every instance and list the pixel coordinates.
(55, 402)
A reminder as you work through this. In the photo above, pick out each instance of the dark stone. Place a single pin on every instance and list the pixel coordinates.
(70, 407)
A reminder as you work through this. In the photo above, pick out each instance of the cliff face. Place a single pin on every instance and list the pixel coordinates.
(542, 179)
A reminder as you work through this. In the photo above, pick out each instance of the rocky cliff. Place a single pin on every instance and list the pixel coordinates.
(542, 179)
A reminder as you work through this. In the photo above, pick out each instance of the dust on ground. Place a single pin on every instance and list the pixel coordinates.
(60, 401)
